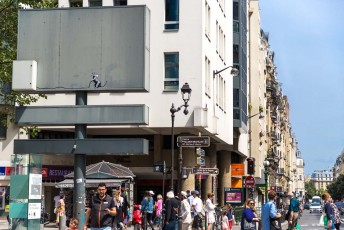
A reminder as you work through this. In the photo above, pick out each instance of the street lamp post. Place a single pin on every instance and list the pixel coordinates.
(266, 164)
(186, 94)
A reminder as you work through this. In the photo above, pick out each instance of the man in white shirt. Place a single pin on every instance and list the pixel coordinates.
(197, 206)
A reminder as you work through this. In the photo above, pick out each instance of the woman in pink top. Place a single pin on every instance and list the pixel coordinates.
(158, 211)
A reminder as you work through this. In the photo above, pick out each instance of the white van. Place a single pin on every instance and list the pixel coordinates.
(316, 199)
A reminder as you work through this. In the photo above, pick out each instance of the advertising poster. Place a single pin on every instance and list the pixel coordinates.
(34, 211)
(233, 196)
(35, 186)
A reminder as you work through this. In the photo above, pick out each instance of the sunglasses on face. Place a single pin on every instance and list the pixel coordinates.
(251, 203)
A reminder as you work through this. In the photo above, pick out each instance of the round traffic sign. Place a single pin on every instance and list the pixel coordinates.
(250, 181)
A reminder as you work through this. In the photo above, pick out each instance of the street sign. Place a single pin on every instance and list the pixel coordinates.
(200, 161)
(205, 171)
(193, 141)
(250, 181)
(200, 152)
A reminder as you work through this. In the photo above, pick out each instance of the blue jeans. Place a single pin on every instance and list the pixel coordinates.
(104, 228)
(171, 225)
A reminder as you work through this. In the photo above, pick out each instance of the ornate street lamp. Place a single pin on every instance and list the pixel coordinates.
(186, 94)
(266, 164)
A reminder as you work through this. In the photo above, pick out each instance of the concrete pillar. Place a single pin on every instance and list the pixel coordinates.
(210, 162)
(189, 161)
(224, 178)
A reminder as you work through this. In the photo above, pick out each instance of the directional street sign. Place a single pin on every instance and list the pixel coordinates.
(205, 171)
(193, 141)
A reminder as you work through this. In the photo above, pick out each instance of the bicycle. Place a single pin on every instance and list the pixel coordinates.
(218, 219)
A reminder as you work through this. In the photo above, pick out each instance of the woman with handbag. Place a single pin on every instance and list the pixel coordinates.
(329, 215)
(249, 217)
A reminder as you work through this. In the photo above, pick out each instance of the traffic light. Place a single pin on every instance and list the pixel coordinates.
(159, 166)
(250, 165)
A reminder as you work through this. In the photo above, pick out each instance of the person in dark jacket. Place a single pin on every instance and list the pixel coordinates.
(171, 205)
(328, 210)
(101, 208)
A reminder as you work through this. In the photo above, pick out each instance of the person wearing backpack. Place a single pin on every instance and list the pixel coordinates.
(293, 212)
(270, 216)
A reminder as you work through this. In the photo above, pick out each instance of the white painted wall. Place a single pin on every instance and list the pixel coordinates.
(191, 43)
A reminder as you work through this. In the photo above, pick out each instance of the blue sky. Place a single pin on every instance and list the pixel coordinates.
(307, 37)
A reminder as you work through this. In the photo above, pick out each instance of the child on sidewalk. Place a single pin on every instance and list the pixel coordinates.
(73, 224)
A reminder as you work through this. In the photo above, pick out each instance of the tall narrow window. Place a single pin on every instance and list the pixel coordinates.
(217, 36)
(171, 14)
(221, 92)
(207, 76)
(207, 20)
(171, 82)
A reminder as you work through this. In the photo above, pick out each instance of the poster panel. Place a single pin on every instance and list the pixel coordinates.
(35, 186)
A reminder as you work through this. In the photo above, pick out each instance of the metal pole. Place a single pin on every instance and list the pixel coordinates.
(180, 158)
(172, 110)
(266, 185)
(79, 168)
(163, 184)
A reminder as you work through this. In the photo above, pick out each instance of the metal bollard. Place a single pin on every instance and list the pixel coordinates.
(62, 223)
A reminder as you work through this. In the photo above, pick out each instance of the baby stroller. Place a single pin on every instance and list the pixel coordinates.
(137, 217)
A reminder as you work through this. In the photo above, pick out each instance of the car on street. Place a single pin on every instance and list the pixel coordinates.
(315, 207)
(340, 206)
(306, 206)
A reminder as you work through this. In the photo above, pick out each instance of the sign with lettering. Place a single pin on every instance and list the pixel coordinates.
(193, 141)
(206, 171)
(53, 172)
(2, 171)
(250, 182)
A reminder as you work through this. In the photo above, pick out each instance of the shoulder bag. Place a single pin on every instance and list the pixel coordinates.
(248, 226)
(275, 223)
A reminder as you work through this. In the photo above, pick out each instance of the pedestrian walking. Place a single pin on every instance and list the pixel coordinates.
(293, 212)
(210, 209)
(117, 219)
(329, 214)
(101, 209)
(225, 222)
(185, 209)
(270, 216)
(147, 207)
(158, 211)
(197, 206)
(60, 209)
(171, 205)
(336, 213)
(229, 214)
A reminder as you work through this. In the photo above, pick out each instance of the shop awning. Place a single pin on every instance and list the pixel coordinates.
(92, 183)
(106, 170)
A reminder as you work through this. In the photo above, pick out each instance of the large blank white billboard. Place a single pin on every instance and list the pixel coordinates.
(96, 49)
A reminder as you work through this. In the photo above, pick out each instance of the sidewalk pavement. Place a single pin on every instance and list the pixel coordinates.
(52, 226)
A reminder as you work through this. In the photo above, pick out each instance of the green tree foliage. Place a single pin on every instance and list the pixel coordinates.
(309, 187)
(8, 51)
(336, 189)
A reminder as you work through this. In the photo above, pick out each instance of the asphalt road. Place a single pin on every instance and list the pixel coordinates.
(310, 221)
